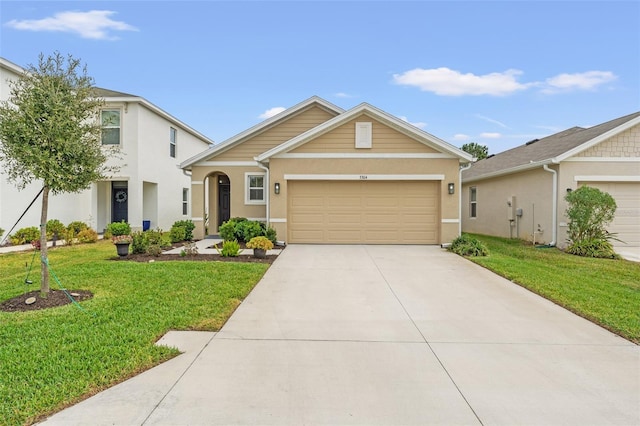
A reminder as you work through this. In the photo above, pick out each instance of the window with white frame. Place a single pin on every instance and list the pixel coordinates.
(110, 119)
(173, 140)
(254, 188)
(185, 201)
(473, 207)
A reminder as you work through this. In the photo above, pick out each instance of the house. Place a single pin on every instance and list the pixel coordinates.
(149, 185)
(520, 193)
(320, 174)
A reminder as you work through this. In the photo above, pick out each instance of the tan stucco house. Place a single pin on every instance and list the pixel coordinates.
(320, 174)
(520, 193)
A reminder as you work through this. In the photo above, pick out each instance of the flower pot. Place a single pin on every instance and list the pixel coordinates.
(259, 253)
(123, 249)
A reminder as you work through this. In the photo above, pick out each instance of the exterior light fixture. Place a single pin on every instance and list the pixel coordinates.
(451, 187)
(276, 187)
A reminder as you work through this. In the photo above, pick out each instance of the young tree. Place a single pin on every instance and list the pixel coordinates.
(50, 132)
(590, 211)
(478, 151)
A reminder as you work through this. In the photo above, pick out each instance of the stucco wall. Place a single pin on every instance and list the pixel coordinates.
(532, 192)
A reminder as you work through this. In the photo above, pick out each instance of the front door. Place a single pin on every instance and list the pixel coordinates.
(119, 201)
(224, 199)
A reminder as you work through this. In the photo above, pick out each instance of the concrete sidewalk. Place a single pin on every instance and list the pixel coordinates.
(383, 335)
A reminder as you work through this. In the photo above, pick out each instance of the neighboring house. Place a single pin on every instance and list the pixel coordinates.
(520, 193)
(149, 185)
(319, 174)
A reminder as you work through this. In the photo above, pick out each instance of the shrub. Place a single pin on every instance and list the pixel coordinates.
(188, 226)
(139, 242)
(595, 247)
(248, 229)
(177, 234)
(227, 231)
(154, 250)
(55, 227)
(25, 235)
(189, 249)
(590, 211)
(260, 243)
(118, 228)
(157, 237)
(229, 248)
(466, 245)
(78, 227)
(87, 236)
(271, 235)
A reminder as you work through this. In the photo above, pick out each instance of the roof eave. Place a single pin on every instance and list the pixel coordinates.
(511, 170)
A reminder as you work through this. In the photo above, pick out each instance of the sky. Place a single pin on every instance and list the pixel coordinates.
(498, 73)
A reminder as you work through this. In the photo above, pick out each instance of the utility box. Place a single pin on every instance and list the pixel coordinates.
(519, 212)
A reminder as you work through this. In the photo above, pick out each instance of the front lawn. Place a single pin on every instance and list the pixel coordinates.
(55, 357)
(604, 291)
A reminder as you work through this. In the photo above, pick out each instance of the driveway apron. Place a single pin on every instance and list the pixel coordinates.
(386, 335)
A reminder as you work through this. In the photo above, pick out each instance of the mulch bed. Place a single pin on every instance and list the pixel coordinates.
(197, 258)
(56, 298)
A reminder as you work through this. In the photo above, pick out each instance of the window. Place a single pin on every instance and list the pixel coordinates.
(173, 137)
(473, 202)
(254, 193)
(110, 126)
(185, 201)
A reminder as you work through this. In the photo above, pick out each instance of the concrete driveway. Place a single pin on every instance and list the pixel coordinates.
(394, 335)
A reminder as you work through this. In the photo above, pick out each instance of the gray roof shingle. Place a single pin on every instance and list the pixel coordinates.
(542, 149)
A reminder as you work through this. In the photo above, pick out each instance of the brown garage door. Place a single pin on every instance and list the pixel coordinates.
(627, 219)
(363, 212)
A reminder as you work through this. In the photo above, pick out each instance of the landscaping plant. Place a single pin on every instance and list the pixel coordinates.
(590, 211)
(466, 245)
(229, 248)
(188, 226)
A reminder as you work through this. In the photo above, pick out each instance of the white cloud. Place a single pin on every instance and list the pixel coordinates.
(271, 112)
(95, 24)
(491, 120)
(490, 135)
(448, 82)
(418, 124)
(580, 81)
(343, 95)
(461, 137)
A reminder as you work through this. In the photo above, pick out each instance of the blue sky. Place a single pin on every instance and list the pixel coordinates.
(496, 73)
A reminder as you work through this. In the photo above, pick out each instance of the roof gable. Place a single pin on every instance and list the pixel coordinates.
(376, 114)
(262, 127)
(551, 149)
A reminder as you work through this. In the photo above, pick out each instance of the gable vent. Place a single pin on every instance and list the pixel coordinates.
(363, 135)
(532, 142)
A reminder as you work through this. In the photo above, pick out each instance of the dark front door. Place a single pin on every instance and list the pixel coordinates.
(224, 199)
(119, 202)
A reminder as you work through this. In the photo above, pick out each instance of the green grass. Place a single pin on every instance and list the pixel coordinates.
(604, 291)
(55, 357)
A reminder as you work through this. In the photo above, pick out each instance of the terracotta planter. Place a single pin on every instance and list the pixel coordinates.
(123, 249)
(260, 253)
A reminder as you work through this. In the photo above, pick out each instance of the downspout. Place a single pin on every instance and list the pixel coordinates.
(462, 169)
(267, 191)
(554, 203)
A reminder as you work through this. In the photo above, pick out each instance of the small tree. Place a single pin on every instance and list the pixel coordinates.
(590, 211)
(478, 151)
(50, 132)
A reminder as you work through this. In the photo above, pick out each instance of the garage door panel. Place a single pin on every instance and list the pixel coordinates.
(357, 212)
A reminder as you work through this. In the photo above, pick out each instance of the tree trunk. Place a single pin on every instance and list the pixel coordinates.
(44, 269)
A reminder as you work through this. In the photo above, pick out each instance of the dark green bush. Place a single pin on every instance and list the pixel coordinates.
(594, 247)
(271, 234)
(248, 230)
(188, 226)
(227, 230)
(466, 245)
(157, 237)
(25, 235)
(139, 243)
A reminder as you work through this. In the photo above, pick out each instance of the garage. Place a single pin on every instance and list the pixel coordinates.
(363, 212)
(627, 219)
